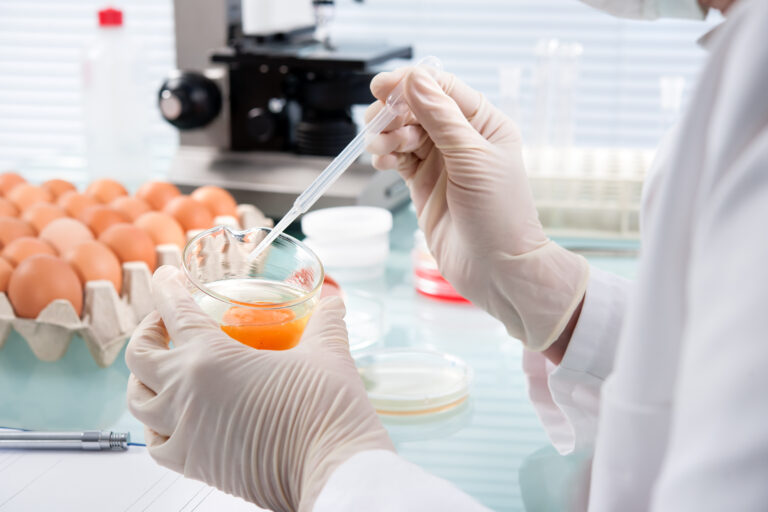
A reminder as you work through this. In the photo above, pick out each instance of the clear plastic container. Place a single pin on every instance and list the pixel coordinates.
(115, 104)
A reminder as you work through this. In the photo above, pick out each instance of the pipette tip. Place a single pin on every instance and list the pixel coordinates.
(272, 235)
(263, 245)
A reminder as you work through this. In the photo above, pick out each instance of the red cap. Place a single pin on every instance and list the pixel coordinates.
(110, 17)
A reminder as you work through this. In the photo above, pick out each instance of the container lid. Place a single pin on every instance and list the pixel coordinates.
(346, 222)
(403, 382)
(110, 17)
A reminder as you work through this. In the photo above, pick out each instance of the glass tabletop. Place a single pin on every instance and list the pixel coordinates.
(493, 447)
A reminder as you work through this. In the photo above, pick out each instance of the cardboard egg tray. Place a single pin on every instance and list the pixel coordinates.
(108, 319)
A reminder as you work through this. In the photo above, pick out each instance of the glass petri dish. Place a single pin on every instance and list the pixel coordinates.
(403, 382)
(365, 319)
(264, 304)
(420, 427)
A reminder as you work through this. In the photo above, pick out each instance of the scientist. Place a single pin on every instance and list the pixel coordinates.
(665, 379)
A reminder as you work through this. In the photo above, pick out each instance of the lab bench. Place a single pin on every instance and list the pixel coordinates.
(481, 446)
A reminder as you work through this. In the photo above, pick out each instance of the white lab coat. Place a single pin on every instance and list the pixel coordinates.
(672, 372)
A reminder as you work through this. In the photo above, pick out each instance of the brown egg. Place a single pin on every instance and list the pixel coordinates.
(189, 213)
(65, 233)
(7, 208)
(58, 187)
(8, 180)
(157, 193)
(12, 228)
(106, 190)
(93, 261)
(41, 279)
(41, 214)
(162, 229)
(25, 195)
(24, 247)
(5, 274)
(74, 203)
(131, 207)
(130, 243)
(101, 217)
(218, 200)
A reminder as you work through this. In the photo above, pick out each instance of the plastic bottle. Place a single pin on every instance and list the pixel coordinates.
(114, 110)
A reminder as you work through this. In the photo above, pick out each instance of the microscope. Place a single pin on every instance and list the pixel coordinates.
(262, 99)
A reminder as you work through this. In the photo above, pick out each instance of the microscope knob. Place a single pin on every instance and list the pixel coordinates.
(260, 124)
(189, 100)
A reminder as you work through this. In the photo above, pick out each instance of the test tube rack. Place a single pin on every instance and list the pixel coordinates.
(108, 319)
(588, 192)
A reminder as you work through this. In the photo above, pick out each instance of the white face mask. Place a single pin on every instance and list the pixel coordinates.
(650, 9)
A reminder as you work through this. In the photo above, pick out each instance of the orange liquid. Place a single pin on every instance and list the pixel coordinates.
(266, 329)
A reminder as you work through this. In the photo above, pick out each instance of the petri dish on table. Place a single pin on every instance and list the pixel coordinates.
(419, 427)
(402, 382)
(365, 319)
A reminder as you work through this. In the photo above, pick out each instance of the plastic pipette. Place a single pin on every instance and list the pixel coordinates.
(393, 107)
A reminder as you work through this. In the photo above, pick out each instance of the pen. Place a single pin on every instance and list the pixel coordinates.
(88, 440)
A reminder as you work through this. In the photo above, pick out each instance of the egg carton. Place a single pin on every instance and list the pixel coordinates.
(108, 319)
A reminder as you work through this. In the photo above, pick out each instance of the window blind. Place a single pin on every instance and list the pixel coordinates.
(616, 99)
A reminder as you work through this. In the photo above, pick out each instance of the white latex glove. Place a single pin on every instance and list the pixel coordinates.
(268, 426)
(462, 161)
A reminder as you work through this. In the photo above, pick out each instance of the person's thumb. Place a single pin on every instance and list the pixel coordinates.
(439, 114)
(326, 327)
(181, 315)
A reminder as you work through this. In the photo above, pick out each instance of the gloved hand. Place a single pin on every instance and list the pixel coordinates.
(267, 426)
(462, 161)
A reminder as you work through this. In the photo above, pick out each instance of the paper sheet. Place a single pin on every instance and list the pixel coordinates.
(103, 481)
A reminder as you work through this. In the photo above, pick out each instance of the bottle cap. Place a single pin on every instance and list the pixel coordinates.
(110, 17)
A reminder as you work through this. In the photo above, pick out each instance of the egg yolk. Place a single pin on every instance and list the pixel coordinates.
(266, 329)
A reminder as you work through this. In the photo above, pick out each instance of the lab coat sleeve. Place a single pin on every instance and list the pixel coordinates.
(567, 396)
(380, 480)
(717, 456)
